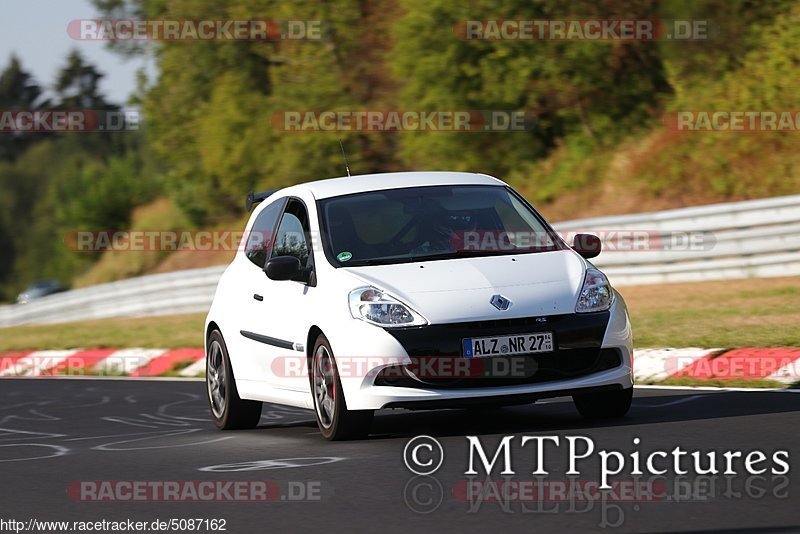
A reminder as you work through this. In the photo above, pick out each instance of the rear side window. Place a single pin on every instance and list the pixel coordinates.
(261, 237)
(292, 237)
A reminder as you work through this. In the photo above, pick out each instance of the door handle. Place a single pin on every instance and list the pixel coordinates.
(258, 297)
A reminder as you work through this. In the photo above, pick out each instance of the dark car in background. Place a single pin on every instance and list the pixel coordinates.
(39, 289)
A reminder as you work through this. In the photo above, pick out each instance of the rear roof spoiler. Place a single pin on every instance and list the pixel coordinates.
(255, 198)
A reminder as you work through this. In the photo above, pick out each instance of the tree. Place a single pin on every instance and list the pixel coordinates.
(210, 113)
(78, 85)
(18, 91)
(594, 92)
(68, 181)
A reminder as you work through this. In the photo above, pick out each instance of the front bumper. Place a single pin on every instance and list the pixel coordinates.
(591, 351)
(377, 397)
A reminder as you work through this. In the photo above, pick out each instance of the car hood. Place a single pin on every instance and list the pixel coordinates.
(456, 290)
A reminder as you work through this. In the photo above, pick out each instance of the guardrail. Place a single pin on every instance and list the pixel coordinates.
(159, 294)
(750, 239)
(757, 238)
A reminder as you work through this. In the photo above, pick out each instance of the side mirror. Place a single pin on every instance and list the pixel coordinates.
(283, 268)
(587, 245)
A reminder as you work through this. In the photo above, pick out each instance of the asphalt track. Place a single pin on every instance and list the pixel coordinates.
(55, 433)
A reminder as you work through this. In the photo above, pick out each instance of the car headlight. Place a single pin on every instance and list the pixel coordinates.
(596, 293)
(374, 306)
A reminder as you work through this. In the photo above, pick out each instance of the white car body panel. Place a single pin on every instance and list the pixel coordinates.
(546, 283)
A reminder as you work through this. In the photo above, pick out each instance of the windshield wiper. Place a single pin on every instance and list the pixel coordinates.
(453, 254)
(461, 254)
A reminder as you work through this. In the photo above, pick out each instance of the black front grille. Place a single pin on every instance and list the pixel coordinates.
(436, 349)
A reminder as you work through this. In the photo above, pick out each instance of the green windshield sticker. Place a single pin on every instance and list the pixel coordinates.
(344, 256)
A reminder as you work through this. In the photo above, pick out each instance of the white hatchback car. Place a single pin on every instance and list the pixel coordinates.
(414, 290)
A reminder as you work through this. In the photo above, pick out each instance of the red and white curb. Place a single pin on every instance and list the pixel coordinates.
(776, 364)
(655, 365)
(125, 362)
(649, 365)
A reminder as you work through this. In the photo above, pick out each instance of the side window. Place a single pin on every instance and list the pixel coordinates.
(291, 239)
(260, 239)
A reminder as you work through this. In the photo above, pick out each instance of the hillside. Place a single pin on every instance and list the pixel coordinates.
(601, 138)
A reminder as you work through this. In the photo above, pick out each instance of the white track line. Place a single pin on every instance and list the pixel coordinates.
(713, 388)
(114, 378)
(788, 374)
(680, 400)
(194, 369)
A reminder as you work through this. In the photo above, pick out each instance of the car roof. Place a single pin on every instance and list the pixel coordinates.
(393, 180)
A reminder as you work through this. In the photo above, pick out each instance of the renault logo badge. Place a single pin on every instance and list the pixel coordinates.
(500, 302)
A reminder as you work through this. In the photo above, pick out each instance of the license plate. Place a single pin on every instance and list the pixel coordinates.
(481, 347)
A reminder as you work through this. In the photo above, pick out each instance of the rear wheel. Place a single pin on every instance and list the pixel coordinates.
(228, 410)
(605, 404)
(335, 421)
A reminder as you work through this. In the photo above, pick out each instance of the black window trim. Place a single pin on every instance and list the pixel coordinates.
(284, 200)
(311, 264)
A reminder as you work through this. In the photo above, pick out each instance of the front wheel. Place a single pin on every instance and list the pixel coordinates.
(605, 404)
(335, 421)
(228, 410)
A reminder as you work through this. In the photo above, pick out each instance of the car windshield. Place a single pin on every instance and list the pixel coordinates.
(43, 284)
(431, 223)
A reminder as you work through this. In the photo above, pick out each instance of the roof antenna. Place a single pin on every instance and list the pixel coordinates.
(346, 166)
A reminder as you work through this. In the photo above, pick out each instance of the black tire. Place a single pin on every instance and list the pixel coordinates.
(335, 421)
(228, 410)
(606, 404)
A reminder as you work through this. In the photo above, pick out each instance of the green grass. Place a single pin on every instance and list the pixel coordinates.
(726, 314)
(730, 314)
(175, 331)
